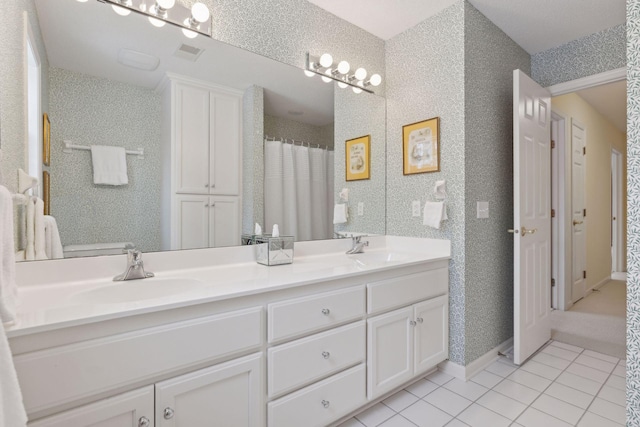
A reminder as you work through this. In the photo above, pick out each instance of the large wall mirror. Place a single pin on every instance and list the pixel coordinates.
(230, 138)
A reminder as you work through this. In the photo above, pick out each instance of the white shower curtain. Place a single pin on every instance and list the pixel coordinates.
(298, 190)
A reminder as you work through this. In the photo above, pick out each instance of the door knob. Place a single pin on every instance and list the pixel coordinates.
(512, 231)
(168, 413)
(577, 222)
(524, 231)
(326, 311)
(326, 354)
(144, 422)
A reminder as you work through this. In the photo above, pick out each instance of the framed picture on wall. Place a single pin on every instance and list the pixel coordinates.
(421, 147)
(46, 192)
(46, 140)
(358, 158)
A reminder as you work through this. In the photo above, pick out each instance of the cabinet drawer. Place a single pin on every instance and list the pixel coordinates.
(405, 290)
(52, 377)
(321, 403)
(294, 317)
(306, 360)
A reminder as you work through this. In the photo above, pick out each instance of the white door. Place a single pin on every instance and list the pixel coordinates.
(226, 140)
(224, 222)
(578, 285)
(132, 409)
(431, 334)
(532, 216)
(225, 395)
(617, 241)
(191, 229)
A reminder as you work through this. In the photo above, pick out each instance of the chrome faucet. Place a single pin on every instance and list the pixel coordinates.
(135, 267)
(358, 246)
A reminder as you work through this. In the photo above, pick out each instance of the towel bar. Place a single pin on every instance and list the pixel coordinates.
(69, 147)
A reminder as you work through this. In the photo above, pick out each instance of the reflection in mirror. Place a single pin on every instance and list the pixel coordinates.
(218, 138)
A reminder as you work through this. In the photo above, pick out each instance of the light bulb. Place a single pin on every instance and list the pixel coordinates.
(361, 74)
(327, 79)
(166, 4)
(200, 12)
(309, 73)
(342, 85)
(82, 1)
(326, 60)
(343, 67)
(357, 90)
(189, 34)
(375, 80)
(156, 22)
(120, 10)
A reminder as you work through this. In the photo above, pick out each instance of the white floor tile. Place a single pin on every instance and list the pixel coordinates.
(351, 422)
(601, 356)
(553, 361)
(593, 420)
(479, 416)
(457, 423)
(534, 418)
(397, 421)
(501, 369)
(375, 415)
(617, 382)
(559, 409)
(501, 404)
(567, 346)
(517, 391)
(448, 401)
(439, 378)
(541, 370)
(587, 372)
(468, 389)
(560, 352)
(487, 379)
(530, 380)
(579, 383)
(608, 410)
(620, 371)
(594, 363)
(425, 415)
(400, 400)
(422, 388)
(569, 395)
(613, 395)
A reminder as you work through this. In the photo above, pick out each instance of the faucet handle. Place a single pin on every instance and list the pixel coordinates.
(356, 239)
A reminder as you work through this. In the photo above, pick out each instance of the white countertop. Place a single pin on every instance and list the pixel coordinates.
(74, 292)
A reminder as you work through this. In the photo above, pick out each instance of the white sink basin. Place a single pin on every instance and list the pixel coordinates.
(137, 290)
(370, 259)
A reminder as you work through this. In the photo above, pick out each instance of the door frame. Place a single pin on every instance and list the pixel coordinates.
(617, 236)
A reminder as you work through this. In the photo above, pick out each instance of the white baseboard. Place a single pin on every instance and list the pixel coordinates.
(601, 283)
(467, 372)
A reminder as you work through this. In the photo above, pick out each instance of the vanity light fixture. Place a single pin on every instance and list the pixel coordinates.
(323, 67)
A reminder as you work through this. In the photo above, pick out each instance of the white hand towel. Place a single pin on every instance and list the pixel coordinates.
(30, 226)
(434, 214)
(52, 238)
(340, 213)
(109, 165)
(39, 233)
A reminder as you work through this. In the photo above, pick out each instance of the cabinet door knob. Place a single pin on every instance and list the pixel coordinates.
(207, 205)
(326, 311)
(412, 322)
(325, 404)
(420, 319)
(144, 422)
(168, 413)
(326, 354)
(206, 185)
(213, 205)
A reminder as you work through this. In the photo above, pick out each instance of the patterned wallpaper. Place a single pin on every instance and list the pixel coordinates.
(593, 54)
(490, 58)
(359, 115)
(252, 158)
(633, 213)
(279, 127)
(90, 110)
(425, 78)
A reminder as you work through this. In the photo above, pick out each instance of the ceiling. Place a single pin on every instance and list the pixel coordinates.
(609, 100)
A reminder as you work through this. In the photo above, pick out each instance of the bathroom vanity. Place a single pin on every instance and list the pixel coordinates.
(215, 336)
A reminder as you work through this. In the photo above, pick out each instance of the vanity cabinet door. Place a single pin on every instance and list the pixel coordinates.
(192, 222)
(224, 222)
(389, 351)
(132, 409)
(226, 122)
(431, 335)
(229, 394)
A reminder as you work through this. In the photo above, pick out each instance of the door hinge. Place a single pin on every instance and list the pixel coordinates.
(584, 274)
(553, 144)
(584, 151)
(584, 212)
(553, 282)
(553, 213)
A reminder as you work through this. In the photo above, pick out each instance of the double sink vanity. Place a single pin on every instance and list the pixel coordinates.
(215, 336)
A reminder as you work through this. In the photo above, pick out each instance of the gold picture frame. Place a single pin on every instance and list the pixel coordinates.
(421, 147)
(46, 192)
(46, 140)
(358, 158)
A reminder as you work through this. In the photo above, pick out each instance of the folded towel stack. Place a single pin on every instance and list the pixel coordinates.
(434, 214)
(109, 165)
(53, 244)
(340, 213)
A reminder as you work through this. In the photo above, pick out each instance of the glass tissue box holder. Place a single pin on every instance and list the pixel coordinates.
(274, 250)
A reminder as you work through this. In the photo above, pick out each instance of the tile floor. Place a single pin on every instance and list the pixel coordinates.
(562, 385)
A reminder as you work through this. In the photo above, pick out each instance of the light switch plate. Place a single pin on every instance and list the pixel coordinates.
(483, 210)
(360, 209)
(415, 208)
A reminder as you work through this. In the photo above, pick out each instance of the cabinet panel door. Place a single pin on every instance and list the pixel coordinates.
(431, 335)
(192, 218)
(226, 141)
(390, 351)
(229, 394)
(125, 410)
(224, 225)
(192, 139)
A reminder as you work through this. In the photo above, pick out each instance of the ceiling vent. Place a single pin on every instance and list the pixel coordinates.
(188, 52)
(138, 60)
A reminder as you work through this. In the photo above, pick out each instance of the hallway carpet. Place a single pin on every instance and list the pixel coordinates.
(597, 322)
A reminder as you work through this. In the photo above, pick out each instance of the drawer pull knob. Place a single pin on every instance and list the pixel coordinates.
(325, 404)
(168, 413)
(412, 322)
(326, 354)
(326, 311)
(144, 422)
(420, 319)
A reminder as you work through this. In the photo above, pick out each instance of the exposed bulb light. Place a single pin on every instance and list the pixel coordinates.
(361, 74)
(342, 85)
(161, 8)
(166, 4)
(356, 89)
(189, 33)
(309, 73)
(82, 1)
(200, 12)
(120, 10)
(156, 22)
(343, 67)
(327, 79)
(375, 80)
(326, 60)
